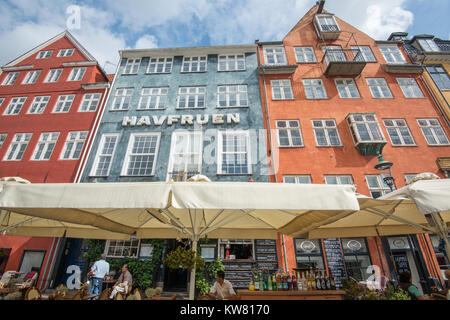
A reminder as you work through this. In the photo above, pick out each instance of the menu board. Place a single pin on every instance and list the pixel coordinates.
(335, 260)
(266, 255)
(401, 263)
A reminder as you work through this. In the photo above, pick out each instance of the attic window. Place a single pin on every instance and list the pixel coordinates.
(44, 54)
(429, 45)
(327, 23)
(65, 52)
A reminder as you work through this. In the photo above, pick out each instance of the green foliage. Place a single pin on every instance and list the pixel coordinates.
(355, 291)
(202, 284)
(391, 294)
(14, 296)
(205, 276)
(214, 266)
(94, 250)
(185, 258)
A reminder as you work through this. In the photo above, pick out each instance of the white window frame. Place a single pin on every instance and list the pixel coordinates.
(339, 178)
(101, 153)
(301, 52)
(392, 54)
(65, 52)
(160, 61)
(289, 130)
(186, 155)
(38, 105)
(232, 62)
(382, 187)
(276, 56)
(10, 78)
(60, 105)
(77, 74)
(282, 84)
(53, 75)
(199, 91)
(198, 61)
(44, 54)
(364, 50)
(132, 65)
(439, 76)
(314, 85)
(75, 142)
(428, 45)
(121, 244)
(125, 95)
(409, 177)
(326, 127)
(396, 126)
(346, 84)
(3, 137)
(225, 90)
(31, 77)
(353, 124)
(129, 153)
(297, 178)
(433, 128)
(49, 141)
(328, 18)
(16, 146)
(154, 93)
(376, 86)
(15, 106)
(220, 152)
(89, 99)
(1, 101)
(410, 88)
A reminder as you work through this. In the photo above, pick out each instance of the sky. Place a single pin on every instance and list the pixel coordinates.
(104, 27)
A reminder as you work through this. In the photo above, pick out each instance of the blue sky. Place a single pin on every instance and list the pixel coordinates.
(108, 26)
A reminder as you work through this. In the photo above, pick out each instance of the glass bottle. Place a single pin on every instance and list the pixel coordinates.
(294, 281)
(289, 281)
(261, 281)
(256, 282)
(251, 286)
(269, 282)
(274, 282)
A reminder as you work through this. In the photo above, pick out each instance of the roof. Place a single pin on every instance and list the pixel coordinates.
(110, 77)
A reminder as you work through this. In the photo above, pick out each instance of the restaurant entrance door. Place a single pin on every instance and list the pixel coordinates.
(174, 280)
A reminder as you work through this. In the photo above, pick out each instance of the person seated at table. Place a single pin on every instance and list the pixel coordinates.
(406, 285)
(222, 289)
(125, 280)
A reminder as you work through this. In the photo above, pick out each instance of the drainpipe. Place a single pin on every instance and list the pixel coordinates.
(270, 140)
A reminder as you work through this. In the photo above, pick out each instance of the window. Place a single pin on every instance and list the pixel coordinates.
(122, 248)
(53, 75)
(326, 132)
(429, 45)
(31, 77)
(105, 154)
(440, 77)
(302, 179)
(365, 54)
(160, 65)
(65, 52)
(194, 64)
(38, 105)
(15, 105)
(356, 258)
(10, 78)
(410, 88)
(90, 102)
(64, 103)
(334, 179)
(347, 88)
(185, 155)
(305, 54)
(44, 54)
(76, 74)
(327, 23)
(379, 88)
(399, 132)
(74, 145)
(314, 89)
(274, 55)
(132, 66)
(32, 261)
(392, 54)
(233, 62)
(153, 98)
(309, 254)
(234, 153)
(232, 96)
(377, 186)
(45, 146)
(281, 89)
(141, 156)
(289, 133)
(122, 99)
(17, 147)
(2, 138)
(409, 177)
(334, 54)
(1, 100)
(433, 132)
(191, 97)
(365, 128)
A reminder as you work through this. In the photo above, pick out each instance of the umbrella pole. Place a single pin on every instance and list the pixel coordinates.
(442, 232)
(192, 280)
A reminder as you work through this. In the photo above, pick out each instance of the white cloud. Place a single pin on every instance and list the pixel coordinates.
(384, 21)
(146, 42)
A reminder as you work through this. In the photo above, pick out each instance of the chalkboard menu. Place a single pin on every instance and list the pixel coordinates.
(401, 263)
(266, 255)
(335, 260)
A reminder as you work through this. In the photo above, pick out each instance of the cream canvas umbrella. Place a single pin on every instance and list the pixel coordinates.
(183, 209)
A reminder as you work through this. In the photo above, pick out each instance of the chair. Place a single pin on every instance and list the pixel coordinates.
(32, 293)
(138, 294)
(5, 278)
(105, 294)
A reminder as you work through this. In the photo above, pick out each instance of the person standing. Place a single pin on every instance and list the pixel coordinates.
(125, 280)
(99, 270)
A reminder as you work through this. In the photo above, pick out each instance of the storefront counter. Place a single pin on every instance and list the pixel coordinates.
(292, 295)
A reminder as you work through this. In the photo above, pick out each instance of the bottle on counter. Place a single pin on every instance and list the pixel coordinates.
(327, 280)
(251, 286)
(289, 281)
(279, 284)
(274, 282)
(324, 281)
(261, 281)
(256, 282)
(294, 281)
(318, 282)
(313, 281)
(308, 281)
(265, 282)
(269, 282)
(332, 282)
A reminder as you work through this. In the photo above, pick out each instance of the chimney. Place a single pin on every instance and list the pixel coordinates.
(321, 4)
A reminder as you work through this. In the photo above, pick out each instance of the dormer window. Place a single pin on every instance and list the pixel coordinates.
(274, 55)
(429, 45)
(366, 133)
(327, 23)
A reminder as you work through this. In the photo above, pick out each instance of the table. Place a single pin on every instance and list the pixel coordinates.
(108, 282)
(292, 295)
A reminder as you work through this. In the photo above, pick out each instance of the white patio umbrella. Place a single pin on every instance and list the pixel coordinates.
(183, 209)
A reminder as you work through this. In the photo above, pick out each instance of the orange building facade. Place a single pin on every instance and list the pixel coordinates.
(334, 99)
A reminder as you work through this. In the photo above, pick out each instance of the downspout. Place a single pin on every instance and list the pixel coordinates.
(49, 257)
(270, 139)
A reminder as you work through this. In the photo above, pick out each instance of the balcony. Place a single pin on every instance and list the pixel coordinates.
(403, 68)
(326, 27)
(348, 62)
(277, 69)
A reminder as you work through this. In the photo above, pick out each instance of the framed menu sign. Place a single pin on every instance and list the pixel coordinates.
(335, 260)
(401, 262)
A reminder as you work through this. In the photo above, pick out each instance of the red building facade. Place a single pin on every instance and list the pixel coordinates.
(50, 101)
(334, 99)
